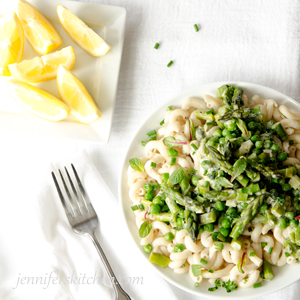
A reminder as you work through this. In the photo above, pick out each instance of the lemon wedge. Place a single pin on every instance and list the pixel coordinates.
(39, 31)
(75, 95)
(11, 42)
(38, 101)
(80, 33)
(43, 68)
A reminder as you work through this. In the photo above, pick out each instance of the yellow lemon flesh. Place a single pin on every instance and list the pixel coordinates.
(43, 68)
(38, 101)
(11, 42)
(39, 31)
(75, 95)
(80, 33)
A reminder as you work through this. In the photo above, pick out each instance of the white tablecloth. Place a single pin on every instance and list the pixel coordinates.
(254, 41)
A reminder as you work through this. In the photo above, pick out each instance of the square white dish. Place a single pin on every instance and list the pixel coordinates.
(98, 74)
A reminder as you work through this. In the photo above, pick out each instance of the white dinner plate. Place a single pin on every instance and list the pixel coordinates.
(98, 74)
(283, 276)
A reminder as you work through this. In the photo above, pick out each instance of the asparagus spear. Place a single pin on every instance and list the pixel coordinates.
(220, 195)
(164, 217)
(186, 201)
(159, 259)
(202, 115)
(208, 218)
(191, 224)
(226, 92)
(237, 99)
(265, 170)
(280, 131)
(247, 214)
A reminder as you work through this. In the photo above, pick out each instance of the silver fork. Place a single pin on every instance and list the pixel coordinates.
(83, 220)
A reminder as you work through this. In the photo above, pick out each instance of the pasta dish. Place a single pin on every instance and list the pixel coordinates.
(217, 193)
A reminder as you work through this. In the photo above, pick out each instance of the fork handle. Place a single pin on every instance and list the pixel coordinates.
(119, 293)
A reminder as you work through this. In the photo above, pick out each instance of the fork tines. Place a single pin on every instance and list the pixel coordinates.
(81, 203)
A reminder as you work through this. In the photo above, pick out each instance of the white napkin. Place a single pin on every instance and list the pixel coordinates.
(67, 264)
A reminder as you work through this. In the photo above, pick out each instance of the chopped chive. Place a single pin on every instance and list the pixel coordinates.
(156, 46)
(203, 261)
(257, 285)
(141, 207)
(270, 250)
(252, 253)
(173, 161)
(206, 183)
(291, 142)
(210, 111)
(286, 254)
(182, 266)
(205, 172)
(170, 63)
(170, 108)
(210, 271)
(264, 244)
(193, 153)
(134, 207)
(196, 27)
(152, 132)
(212, 176)
(197, 284)
(153, 137)
(211, 123)
(194, 146)
(153, 165)
(144, 143)
(162, 122)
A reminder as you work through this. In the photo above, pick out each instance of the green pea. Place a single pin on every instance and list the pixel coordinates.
(282, 156)
(222, 141)
(165, 208)
(231, 212)
(286, 187)
(231, 126)
(200, 229)
(172, 152)
(148, 187)
(158, 200)
(154, 209)
(149, 195)
(251, 125)
(224, 231)
(148, 248)
(257, 151)
(215, 139)
(195, 180)
(214, 236)
(169, 237)
(225, 132)
(217, 133)
(179, 222)
(259, 144)
(254, 138)
(294, 223)
(282, 224)
(275, 148)
(296, 193)
(290, 215)
(220, 205)
(165, 176)
(244, 204)
(181, 213)
(226, 223)
(179, 248)
(268, 144)
(155, 186)
(210, 142)
(209, 227)
(206, 164)
(258, 126)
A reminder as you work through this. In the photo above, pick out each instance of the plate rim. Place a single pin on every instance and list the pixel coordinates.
(124, 166)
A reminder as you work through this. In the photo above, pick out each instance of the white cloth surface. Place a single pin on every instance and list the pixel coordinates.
(254, 41)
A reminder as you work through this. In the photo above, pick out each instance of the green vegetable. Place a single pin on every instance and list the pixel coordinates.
(170, 141)
(207, 218)
(229, 286)
(156, 46)
(203, 261)
(169, 237)
(257, 285)
(280, 131)
(237, 244)
(177, 176)
(159, 259)
(170, 63)
(179, 248)
(145, 229)
(196, 27)
(238, 168)
(148, 248)
(219, 246)
(268, 273)
(136, 164)
(197, 270)
(172, 152)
